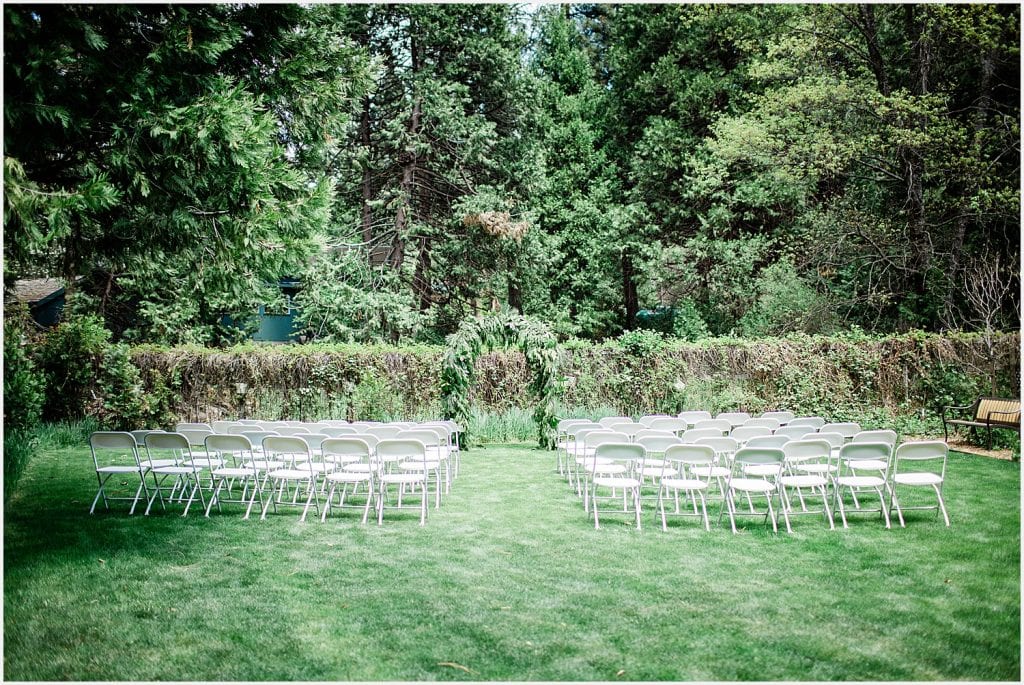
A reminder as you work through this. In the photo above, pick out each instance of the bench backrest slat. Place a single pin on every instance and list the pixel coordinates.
(1010, 410)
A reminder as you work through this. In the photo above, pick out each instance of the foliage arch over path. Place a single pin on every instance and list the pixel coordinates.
(506, 330)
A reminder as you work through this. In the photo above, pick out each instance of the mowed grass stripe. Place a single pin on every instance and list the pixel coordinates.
(508, 580)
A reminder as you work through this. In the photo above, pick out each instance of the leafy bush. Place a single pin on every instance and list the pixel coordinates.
(70, 357)
(23, 385)
(785, 302)
(641, 342)
(688, 324)
(19, 446)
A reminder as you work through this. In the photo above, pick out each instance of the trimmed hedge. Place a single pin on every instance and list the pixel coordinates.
(830, 376)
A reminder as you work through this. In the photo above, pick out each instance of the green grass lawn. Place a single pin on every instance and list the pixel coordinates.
(508, 580)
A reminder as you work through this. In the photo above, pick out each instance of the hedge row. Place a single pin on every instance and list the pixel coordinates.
(832, 376)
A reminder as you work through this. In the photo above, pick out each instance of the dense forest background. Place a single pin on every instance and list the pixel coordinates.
(702, 170)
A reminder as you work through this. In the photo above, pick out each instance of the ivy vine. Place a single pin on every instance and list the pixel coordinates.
(503, 331)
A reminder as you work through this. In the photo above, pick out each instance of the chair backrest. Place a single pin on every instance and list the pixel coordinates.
(768, 441)
(744, 433)
(847, 429)
(735, 418)
(651, 433)
(804, 451)
(882, 435)
(369, 439)
(795, 432)
(834, 439)
(669, 423)
(347, 447)
(196, 436)
(609, 421)
(338, 431)
(723, 426)
(764, 422)
(363, 425)
(750, 456)
(692, 417)
(223, 427)
(815, 422)
(865, 451)
(140, 436)
(919, 452)
(630, 428)
(317, 427)
(691, 455)
(167, 441)
(256, 435)
(657, 444)
(721, 445)
(239, 428)
(647, 419)
(577, 428)
(235, 444)
(564, 424)
(314, 440)
(692, 435)
(192, 426)
(272, 425)
(335, 422)
(429, 438)
(292, 422)
(292, 430)
(384, 432)
(595, 438)
(392, 449)
(628, 452)
(783, 417)
(113, 440)
(249, 422)
(291, 446)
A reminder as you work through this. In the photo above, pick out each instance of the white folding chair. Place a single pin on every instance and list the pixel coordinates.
(339, 431)
(613, 466)
(692, 435)
(184, 471)
(647, 419)
(609, 421)
(357, 467)
(563, 443)
(294, 474)
(179, 427)
(692, 417)
(390, 453)
(383, 432)
(243, 470)
(856, 483)
(774, 441)
(764, 422)
(119, 454)
(807, 472)
(921, 465)
(766, 460)
(653, 467)
(669, 423)
(629, 428)
(434, 460)
(685, 465)
(224, 427)
(587, 462)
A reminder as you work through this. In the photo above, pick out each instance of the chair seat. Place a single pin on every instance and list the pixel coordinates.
(657, 472)
(816, 468)
(607, 482)
(917, 478)
(159, 463)
(265, 465)
(684, 483)
(861, 481)
(340, 459)
(869, 465)
(204, 463)
(290, 474)
(173, 470)
(118, 469)
(607, 468)
(804, 481)
(762, 470)
(233, 472)
(710, 471)
(402, 478)
(752, 485)
(348, 477)
(418, 465)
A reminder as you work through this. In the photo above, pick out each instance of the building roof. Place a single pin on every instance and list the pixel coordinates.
(32, 290)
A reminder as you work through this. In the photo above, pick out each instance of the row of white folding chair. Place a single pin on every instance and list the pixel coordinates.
(171, 455)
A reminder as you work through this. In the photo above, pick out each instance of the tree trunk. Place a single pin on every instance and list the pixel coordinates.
(911, 157)
(407, 187)
(629, 289)
(421, 279)
(875, 59)
(366, 187)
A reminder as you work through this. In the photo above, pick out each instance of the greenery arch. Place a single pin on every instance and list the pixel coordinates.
(505, 330)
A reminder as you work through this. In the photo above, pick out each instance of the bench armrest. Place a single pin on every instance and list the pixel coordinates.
(963, 408)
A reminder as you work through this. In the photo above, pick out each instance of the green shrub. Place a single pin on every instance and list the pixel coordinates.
(24, 390)
(641, 342)
(70, 357)
(687, 323)
(19, 446)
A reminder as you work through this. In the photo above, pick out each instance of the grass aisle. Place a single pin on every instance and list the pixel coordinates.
(507, 581)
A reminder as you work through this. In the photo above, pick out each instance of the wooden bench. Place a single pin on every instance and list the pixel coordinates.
(986, 412)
